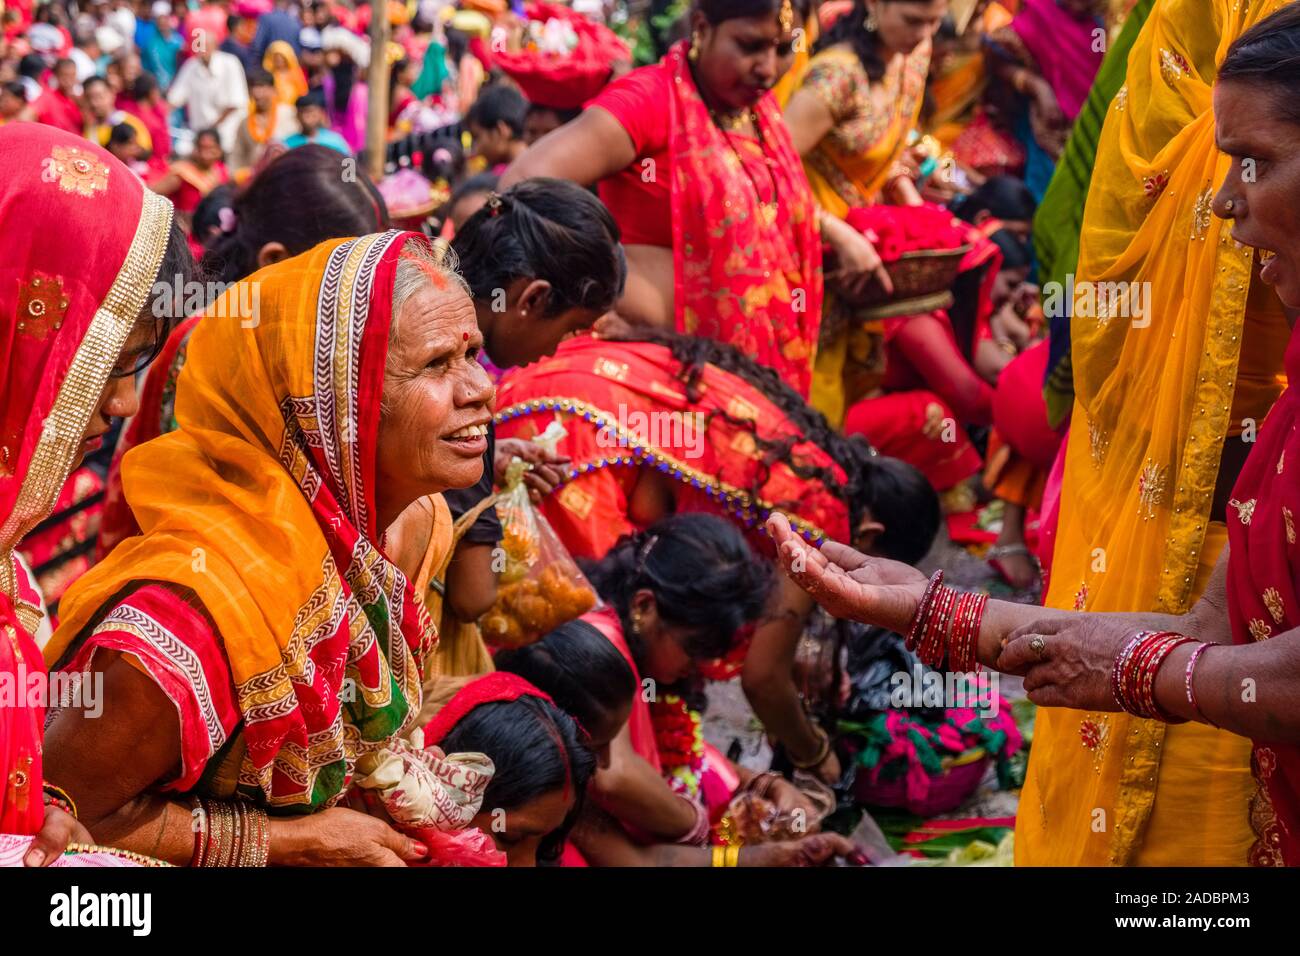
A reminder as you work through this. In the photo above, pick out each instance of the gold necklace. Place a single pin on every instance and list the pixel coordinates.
(767, 210)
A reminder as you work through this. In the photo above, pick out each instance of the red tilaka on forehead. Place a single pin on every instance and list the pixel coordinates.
(464, 336)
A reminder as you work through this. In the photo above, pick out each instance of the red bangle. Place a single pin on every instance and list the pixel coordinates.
(1133, 677)
(934, 642)
(963, 654)
(923, 611)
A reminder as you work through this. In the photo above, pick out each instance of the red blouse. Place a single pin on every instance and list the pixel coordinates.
(638, 197)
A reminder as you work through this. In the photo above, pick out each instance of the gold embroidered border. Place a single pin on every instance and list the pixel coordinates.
(1202, 450)
(84, 384)
(1189, 515)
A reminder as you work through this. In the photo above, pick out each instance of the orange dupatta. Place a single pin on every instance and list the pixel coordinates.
(262, 503)
(1154, 401)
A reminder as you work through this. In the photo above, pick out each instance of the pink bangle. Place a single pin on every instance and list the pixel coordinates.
(1191, 687)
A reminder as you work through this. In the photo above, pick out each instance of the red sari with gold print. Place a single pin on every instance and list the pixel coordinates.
(626, 409)
(746, 248)
(1264, 601)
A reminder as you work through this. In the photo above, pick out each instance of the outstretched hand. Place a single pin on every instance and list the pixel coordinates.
(847, 583)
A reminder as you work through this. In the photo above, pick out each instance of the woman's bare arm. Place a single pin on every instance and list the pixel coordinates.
(593, 146)
(809, 119)
(635, 792)
(768, 673)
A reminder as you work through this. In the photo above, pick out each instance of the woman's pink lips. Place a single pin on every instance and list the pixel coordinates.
(469, 447)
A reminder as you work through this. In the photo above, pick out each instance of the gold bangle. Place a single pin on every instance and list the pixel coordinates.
(732, 856)
(719, 856)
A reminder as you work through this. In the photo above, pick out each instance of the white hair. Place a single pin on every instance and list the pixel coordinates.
(418, 260)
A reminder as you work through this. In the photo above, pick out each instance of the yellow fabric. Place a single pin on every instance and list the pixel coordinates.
(1153, 404)
(222, 515)
(290, 81)
(461, 651)
(788, 83)
(852, 163)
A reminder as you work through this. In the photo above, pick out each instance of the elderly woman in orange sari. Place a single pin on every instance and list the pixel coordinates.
(660, 424)
(76, 323)
(260, 651)
(692, 158)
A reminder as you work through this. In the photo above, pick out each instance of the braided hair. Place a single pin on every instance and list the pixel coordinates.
(549, 229)
(886, 488)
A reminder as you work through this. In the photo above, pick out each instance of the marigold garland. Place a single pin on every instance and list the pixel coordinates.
(679, 735)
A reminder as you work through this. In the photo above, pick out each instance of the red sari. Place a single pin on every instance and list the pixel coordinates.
(1264, 600)
(66, 308)
(746, 250)
(626, 409)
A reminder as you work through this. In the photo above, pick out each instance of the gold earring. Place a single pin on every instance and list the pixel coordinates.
(636, 624)
(871, 23)
(693, 53)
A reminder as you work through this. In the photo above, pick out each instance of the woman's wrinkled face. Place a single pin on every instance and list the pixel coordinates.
(1263, 179)
(519, 832)
(905, 24)
(741, 59)
(437, 398)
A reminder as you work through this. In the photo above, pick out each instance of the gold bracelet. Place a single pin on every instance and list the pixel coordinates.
(719, 856)
(732, 856)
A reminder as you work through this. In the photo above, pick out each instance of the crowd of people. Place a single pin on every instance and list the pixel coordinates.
(418, 519)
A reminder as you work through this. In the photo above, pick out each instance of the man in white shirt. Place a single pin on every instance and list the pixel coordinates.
(210, 86)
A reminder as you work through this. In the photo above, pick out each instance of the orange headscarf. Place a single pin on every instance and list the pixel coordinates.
(263, 504)
(290, 81)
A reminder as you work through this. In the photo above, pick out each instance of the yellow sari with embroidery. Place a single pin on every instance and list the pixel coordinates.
(852, 163)
(1156, 396)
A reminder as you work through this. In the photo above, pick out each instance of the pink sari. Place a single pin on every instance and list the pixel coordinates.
(1264, 601)
(1063, 48)
(66, 309)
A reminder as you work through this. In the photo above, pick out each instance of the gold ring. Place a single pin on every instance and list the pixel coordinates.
(1038, 645)
(1227, 206)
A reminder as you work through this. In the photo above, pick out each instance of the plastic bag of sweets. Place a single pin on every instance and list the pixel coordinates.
(539, 585)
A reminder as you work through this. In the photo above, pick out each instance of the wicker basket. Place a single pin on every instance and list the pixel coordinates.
(922, 282)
